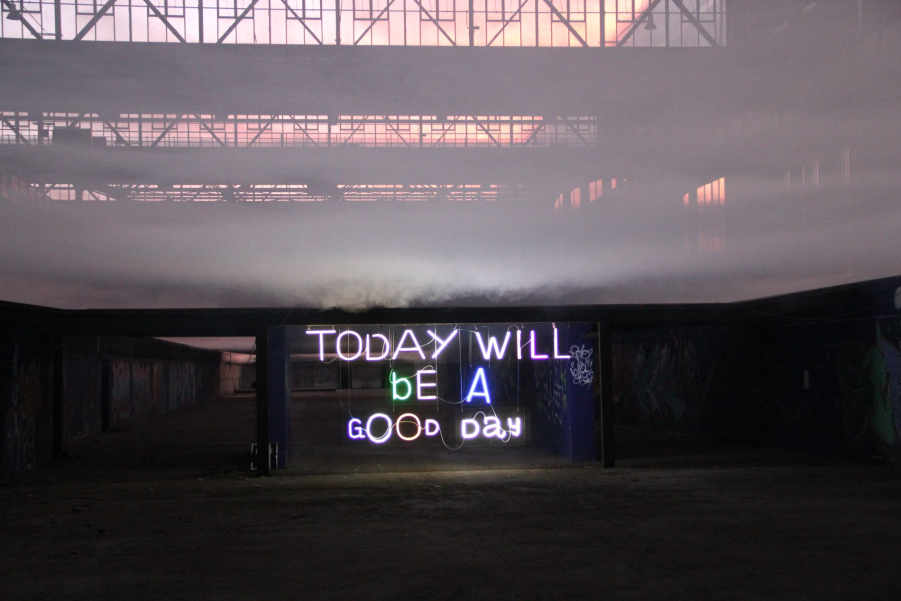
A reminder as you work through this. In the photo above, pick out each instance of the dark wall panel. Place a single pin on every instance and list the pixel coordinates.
(25, 401)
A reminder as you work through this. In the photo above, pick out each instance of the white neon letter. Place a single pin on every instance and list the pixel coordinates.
(322, 334)
(420, 384)
(483, 392)
(441, 343)
(519, 344)
(359, 344)
(557, 354)
(514, 424)
(431, 427)
(386, 435)
(466, 432)
(492, 344)
(418, 427)
(492, 427)
(532, 347)
(354, 430)
(385, 348)
(401, 348)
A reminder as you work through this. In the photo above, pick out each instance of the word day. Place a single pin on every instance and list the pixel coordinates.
(377, 347)
(380, 427)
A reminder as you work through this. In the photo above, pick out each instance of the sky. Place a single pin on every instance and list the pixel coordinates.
(637, 244)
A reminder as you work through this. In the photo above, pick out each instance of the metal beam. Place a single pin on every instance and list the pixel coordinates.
(485, 129)
(165, 21)
(97, 16)
(116, 132)
(372, 22)
(301, 20)
(566, 22)
(166, 131)
(510, 20)
(234, 24)
(210, 130)
(12, 10)
(15, 129)
(260, 132)
(638, 21)
(698, 25)
(435, 21)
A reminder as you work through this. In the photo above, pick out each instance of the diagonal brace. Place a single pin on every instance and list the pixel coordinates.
(566, 22)
(165, 21)
(11, 7)
(97, 16)
(234, 24)
(435, 21)
(694, 21)
(634, 26)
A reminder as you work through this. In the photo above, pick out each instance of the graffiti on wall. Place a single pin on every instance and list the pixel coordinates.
(20, 421)
(81, 396)
(550, 387)
(581, 367)
(869, 378)
(120, 408)
(658, 378)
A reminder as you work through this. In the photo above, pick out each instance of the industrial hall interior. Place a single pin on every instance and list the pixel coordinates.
(450, 299)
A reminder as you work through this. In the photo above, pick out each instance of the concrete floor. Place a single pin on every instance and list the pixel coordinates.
(166, 511)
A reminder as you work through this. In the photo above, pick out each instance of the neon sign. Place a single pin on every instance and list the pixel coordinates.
(451, 384)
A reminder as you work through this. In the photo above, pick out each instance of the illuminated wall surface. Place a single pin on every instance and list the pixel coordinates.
(462, 384)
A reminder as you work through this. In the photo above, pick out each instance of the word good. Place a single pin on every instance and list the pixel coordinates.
(412, 424)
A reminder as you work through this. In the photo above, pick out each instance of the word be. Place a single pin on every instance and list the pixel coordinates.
(491, 428)
(479, 387)
(356, 431)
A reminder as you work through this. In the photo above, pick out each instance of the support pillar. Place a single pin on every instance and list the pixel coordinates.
(605, 447)
(273, 396)
(57, 397)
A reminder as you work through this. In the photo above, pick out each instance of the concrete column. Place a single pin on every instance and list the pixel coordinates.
(579, 391)
(273, 396)
(57, 397)
(280, 394)
(262, 387)
(605, 447)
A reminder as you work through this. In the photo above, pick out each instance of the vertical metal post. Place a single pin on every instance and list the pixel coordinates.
(57, 399)
(666, 20)
(605, 367)
(337, 22)
(603, 9)
(262, 382)
(279, 383)
(472, 24)
(200, 21)
(58, 18)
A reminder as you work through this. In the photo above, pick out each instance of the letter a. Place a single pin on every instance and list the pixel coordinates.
(479, 380)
